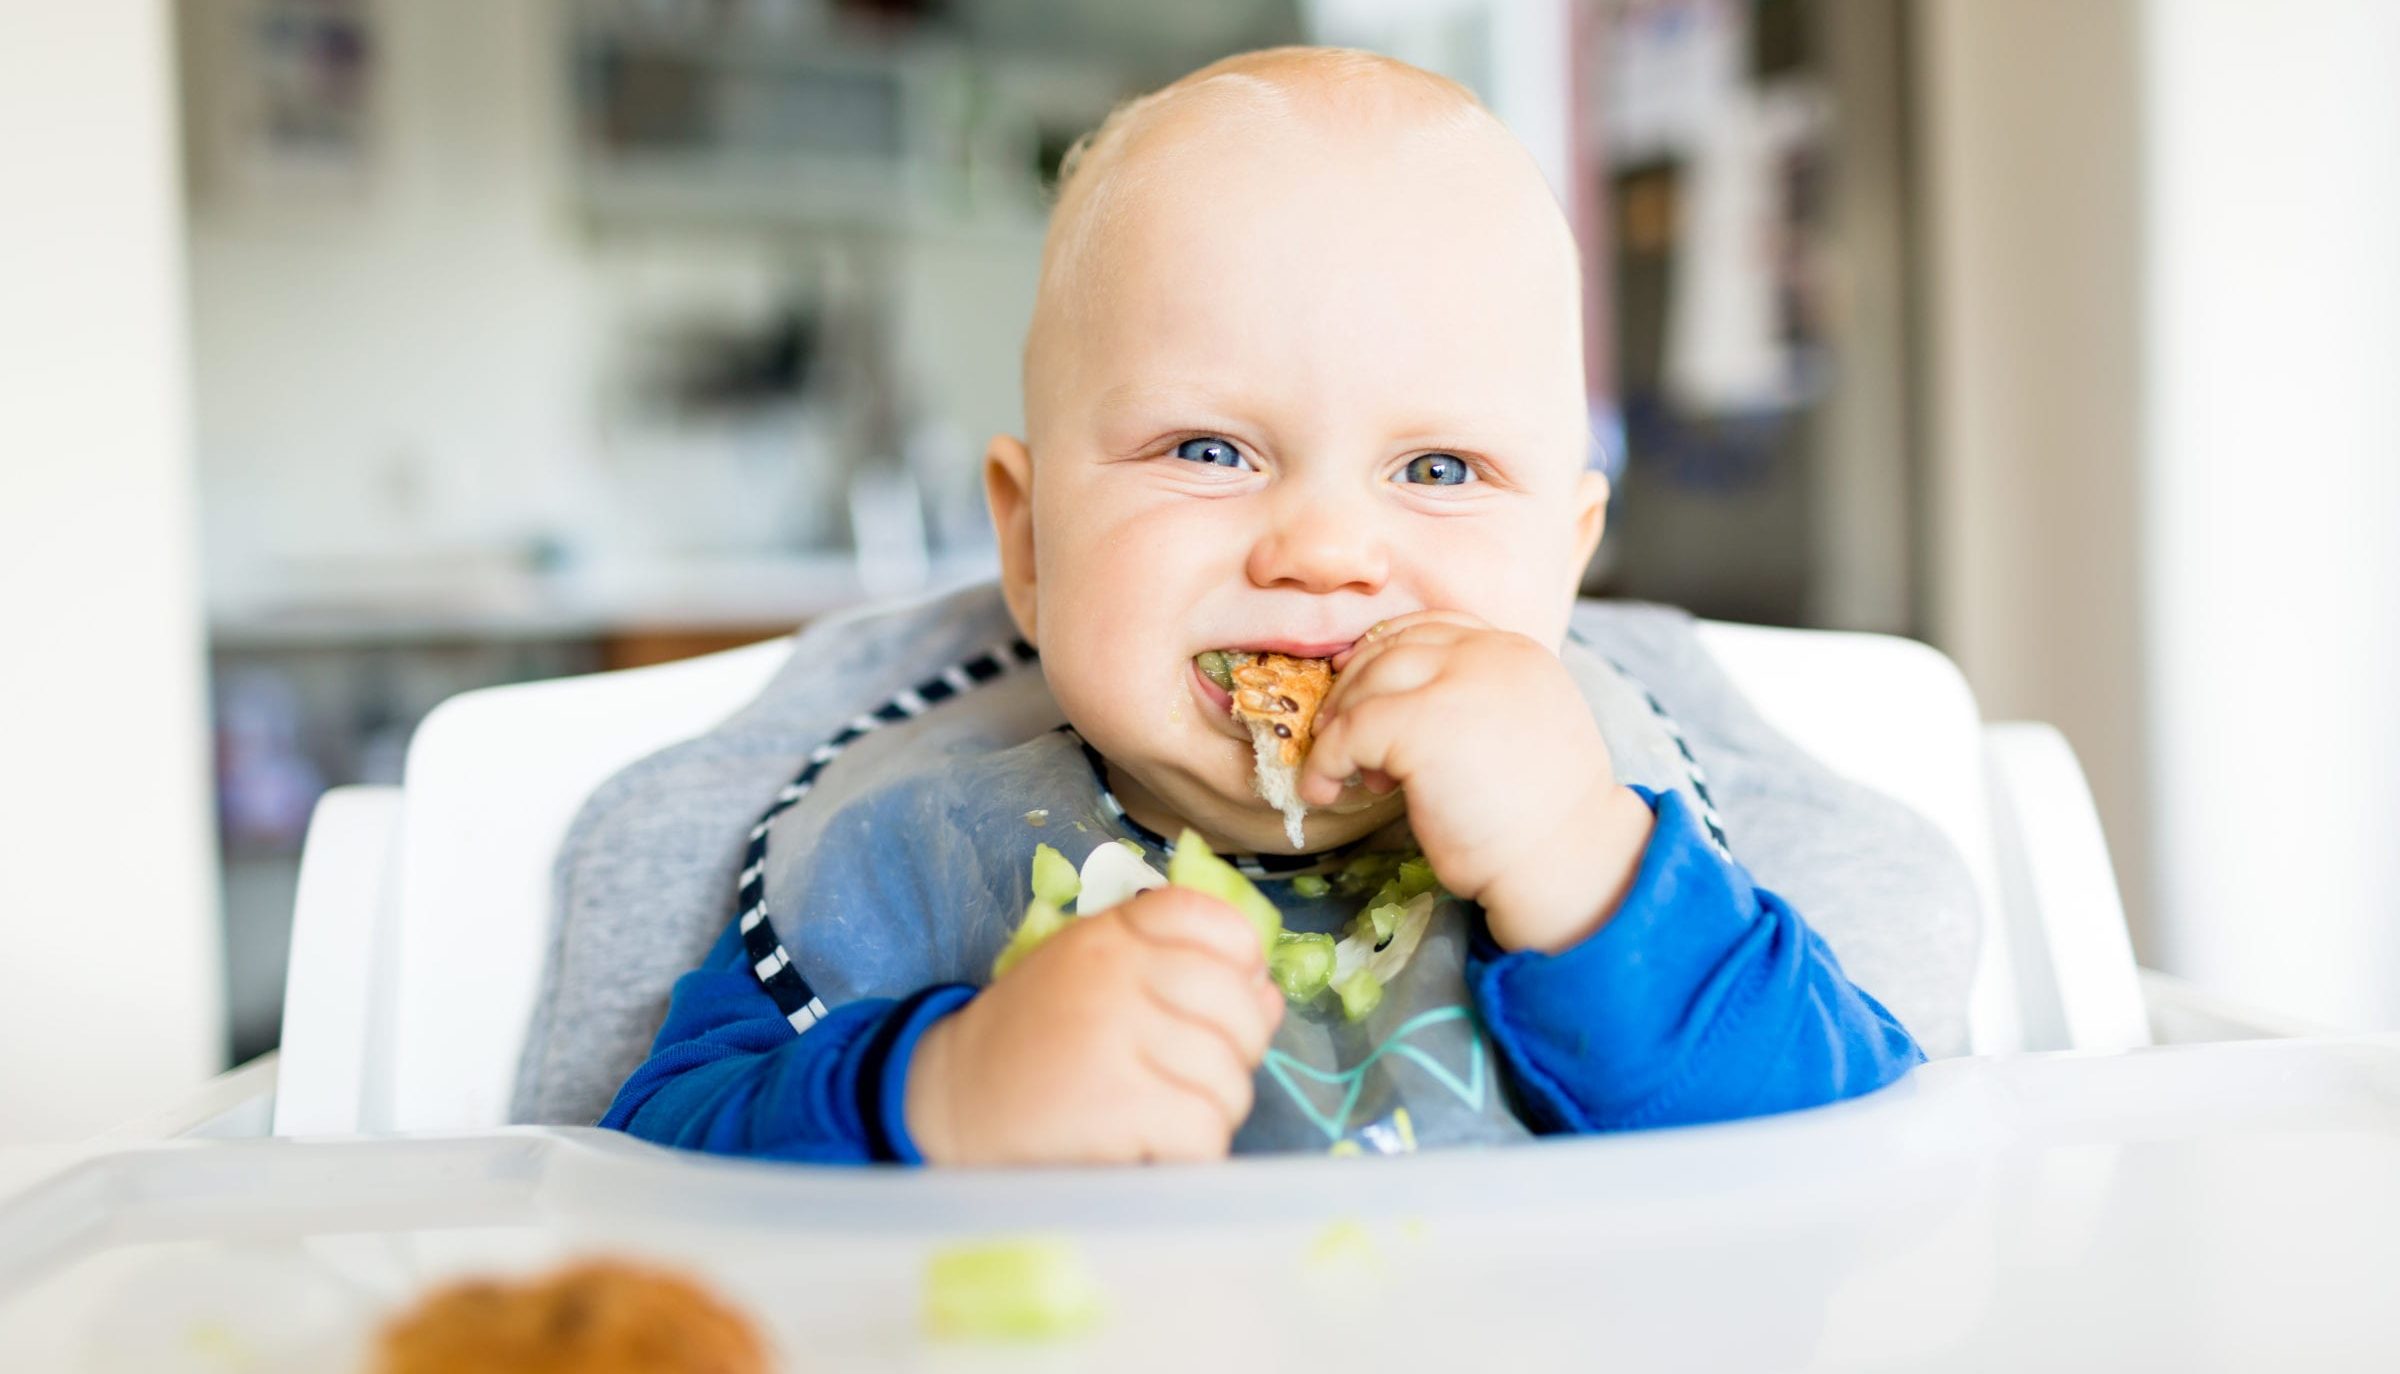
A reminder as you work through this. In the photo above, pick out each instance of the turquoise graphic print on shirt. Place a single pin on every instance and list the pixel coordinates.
(1312, 1088)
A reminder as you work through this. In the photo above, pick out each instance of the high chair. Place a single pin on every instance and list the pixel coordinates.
(1998, 1209)
(422, 915)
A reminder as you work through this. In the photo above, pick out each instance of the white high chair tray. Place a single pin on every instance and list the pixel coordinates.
(2216, 1207)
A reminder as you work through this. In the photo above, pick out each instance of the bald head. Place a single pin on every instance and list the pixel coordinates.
(1292, 152)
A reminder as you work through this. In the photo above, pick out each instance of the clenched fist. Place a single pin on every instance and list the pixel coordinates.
(1131, 1035)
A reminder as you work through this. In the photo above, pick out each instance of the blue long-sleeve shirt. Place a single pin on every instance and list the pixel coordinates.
(1704, 998)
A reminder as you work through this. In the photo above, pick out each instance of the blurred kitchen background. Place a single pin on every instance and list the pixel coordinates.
(547, 336)
(374, 350)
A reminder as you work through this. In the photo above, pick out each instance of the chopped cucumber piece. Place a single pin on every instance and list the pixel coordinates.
(1311, 886)
(1026, 1290)
(1054, 879)
(1042, 920)
(1196, 867)
(1364, 873)
(1345, 1244)
(1301, 965)
(1361, 994)
(1218, 666)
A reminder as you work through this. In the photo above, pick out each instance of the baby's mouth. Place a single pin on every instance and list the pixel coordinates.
(1216, 665)
(1212, 683)
(1272, 696)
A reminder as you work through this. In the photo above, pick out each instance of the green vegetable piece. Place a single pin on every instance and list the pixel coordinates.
(1361, 994)
(1345, 1244)
(1218, 667)
(1023, 1290)
(1301, 965)
(1384, 919)
(1310, 885)
(1042, 920)
(1364, 873)
(1054, 879)
(1196, 867)
(1415, 877)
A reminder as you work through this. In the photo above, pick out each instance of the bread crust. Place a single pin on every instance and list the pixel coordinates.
(1279, 695)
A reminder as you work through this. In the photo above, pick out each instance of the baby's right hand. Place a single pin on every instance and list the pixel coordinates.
(1131, 1035)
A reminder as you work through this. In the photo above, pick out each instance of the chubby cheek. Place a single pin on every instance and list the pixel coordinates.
(1117, 587)
(1513, 574)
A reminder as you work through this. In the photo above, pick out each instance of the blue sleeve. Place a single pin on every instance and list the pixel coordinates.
(1703, 999)
(728, 1074)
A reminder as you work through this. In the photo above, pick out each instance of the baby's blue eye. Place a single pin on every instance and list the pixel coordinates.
(1436, 470)
(1217, 453)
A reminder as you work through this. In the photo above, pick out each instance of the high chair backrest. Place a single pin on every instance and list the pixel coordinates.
(423, 912)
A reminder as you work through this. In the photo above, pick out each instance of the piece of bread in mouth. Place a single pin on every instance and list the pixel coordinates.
(1277, 696)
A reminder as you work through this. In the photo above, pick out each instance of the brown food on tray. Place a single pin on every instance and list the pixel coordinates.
(593, 1317)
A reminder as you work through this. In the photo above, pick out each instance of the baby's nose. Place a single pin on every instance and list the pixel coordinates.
(1318, 547)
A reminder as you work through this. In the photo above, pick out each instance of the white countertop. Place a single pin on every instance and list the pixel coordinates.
(2212, 1207)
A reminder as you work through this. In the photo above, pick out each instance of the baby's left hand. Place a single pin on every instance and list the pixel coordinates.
(1510, 788)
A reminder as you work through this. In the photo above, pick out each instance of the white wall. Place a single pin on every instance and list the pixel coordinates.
(2163, 270)
(109, 983)
(2032, 224)
(2273, 499)
(391, 357)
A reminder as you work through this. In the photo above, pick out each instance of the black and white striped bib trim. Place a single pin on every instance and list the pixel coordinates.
(769, 959)
(772, 962)
(1691, 765)
(1708, 804)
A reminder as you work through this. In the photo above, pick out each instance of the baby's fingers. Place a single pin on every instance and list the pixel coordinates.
(1241, 1009)
(1174, 916)
(1190, 1061)
(1365, 739)
(1442, 624)
(1404, 667)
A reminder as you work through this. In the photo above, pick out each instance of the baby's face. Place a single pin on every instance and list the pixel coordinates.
(1312, 383)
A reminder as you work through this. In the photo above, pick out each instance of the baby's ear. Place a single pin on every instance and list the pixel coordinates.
(1591, 518)
(1008, 490)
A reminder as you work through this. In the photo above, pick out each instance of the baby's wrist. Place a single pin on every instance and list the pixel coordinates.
(926, 1100)
(1576, 878)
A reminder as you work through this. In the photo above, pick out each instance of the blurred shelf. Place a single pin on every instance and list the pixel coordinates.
(417, 605)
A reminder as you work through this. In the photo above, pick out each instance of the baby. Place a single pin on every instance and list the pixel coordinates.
(1305, 377)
